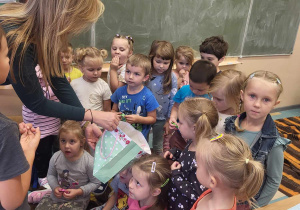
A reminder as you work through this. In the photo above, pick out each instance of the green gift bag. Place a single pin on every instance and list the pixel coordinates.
(115, 149)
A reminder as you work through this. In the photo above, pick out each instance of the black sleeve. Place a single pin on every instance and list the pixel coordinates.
(31, 94)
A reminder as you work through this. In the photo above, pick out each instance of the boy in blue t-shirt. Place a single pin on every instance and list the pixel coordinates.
(201, 75)
(135, 101)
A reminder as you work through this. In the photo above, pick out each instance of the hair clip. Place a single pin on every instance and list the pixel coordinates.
(129, 38)
(153, 167)
(166, 182)
(252, 75)
(118, 35)
(278, 81)
(247, 160)
(217, 137)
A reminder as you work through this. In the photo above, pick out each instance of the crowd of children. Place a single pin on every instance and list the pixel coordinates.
(188, 105)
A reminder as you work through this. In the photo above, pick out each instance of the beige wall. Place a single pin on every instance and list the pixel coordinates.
(286, 67)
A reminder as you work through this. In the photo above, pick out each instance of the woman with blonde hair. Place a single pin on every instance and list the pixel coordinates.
(36, 31)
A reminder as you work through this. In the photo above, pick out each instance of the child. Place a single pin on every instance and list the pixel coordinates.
(66, 57)
(214, 49)
(134, 100)
(259, 95)
(226, 167)
(201, 75)
(225, 89)
(149, 184)
(49, 127)
(163, 84)
(16, 153)
(92, 91)
(70, 173)
(119, 196)
(197, 117)
(184, 58)
(121, 49)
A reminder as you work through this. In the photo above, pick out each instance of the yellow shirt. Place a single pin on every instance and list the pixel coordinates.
(74, 74)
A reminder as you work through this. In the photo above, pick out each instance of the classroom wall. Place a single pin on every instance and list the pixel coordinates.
(286, 67)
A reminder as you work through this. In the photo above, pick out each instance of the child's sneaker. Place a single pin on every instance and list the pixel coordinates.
(101, 189)
(43, 182)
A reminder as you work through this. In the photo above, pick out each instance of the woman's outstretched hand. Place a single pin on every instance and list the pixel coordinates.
(107, 120)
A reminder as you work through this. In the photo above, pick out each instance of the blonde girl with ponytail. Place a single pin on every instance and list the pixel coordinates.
(92, 91)
(198, 117)
(225, 166)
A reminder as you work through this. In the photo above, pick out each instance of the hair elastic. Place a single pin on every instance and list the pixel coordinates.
(278, 81)
(129, 38)
(217, 137)
(247, 160)
(91, 115)
(252, 75)
(166, 182)
(153, 167)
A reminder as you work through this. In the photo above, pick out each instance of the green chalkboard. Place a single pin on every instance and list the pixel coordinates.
(251, 27)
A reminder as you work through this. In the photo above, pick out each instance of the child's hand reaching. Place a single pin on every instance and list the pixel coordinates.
(168, 155)
(173, 123)
(72, 193)
(114, 64)
(176, 165)
(57, 192)
(133, 118)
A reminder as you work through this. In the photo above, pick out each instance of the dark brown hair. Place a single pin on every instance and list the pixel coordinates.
(214, 45)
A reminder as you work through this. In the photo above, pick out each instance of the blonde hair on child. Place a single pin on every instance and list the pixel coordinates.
(266, 75)
(49, 31)
(203, 113)
(72, 126)
(67, 49)
(92, 52)
(229, 158)
(2, 34)
(185, 51)
(128, 38)
(140, 60)
(231, 81)
(165, 51)
(158, 172)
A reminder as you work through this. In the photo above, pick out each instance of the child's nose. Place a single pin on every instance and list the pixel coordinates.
(130, 183)
(257, 103)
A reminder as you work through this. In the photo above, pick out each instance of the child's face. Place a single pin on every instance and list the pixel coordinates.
(259, 97)
(186, 129)
(66, 59)
(91, 69)
(220, 101)
(182, 65)
(201, 173)
(125, 176)
(70, 145)
(135, 76)
(212, 58)
(121, 49)
(199, 88)
(139, 188)
(4, 60)
(160, 65)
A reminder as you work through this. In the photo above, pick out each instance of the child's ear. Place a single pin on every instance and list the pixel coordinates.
(276, 103)
(130, 53)
(213, 182)
(156, 192)
(221, 59)
(242, 95)
(146, 77)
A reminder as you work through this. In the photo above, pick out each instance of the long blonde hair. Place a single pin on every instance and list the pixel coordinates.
(231, 81)
(203, 113)
(229, 158)
(47, 24)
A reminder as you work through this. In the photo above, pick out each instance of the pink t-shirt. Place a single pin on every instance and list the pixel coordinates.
(134, 205)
